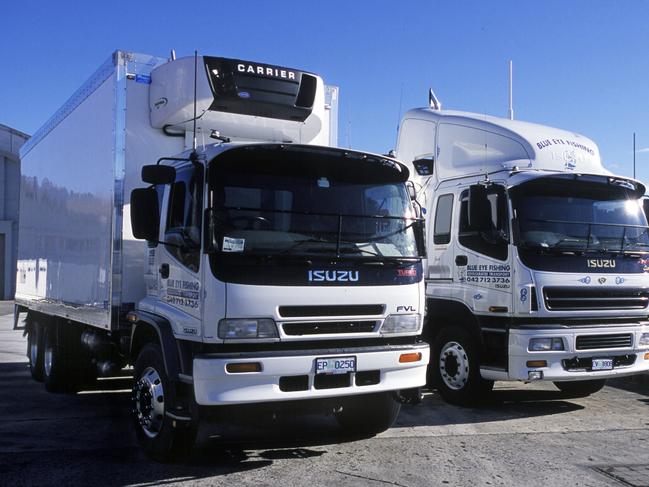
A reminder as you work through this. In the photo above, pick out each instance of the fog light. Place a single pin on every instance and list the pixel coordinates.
(537, 363)
(534, 375)
(410, 357)
(243, 367)
(545, 344)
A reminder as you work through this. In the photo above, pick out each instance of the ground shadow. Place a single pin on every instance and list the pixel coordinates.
(499, 405)
(638, 384)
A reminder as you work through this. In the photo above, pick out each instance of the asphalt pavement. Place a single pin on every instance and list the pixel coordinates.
(525, 435)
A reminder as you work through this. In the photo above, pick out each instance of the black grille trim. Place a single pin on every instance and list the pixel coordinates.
(585, 364)
(580, 299)
(329, 327)
(333, 310)
(595, 342)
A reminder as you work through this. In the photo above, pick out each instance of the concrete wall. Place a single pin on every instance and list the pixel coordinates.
(10, 142)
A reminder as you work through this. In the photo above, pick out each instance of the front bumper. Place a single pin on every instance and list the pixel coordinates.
(214, 385)
(573, 364)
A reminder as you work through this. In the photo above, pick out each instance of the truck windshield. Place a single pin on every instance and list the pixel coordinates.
(580, 218)
(286, 209)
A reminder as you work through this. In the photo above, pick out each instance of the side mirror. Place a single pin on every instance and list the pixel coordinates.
(412, 192)
(145, 214)
(479, 213)
(424, 166)
(645, 207)
(157, 174)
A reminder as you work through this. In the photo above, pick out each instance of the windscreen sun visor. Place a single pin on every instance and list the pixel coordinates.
(340, 165)
(562, 184)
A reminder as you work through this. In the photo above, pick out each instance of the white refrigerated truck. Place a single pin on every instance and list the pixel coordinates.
(267, 267)
(537, 255)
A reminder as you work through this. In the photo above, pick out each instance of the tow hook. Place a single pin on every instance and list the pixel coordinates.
(410, 396)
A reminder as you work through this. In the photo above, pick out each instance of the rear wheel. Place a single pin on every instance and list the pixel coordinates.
(369, 414)
(456, 368)
(66, 365)
(35, 350)
(580, 388)
(162, 438)
(53, 360)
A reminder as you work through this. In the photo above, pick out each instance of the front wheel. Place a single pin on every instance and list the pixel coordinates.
(456, 368)
(580, 388)
(161, 437)
(369, 414)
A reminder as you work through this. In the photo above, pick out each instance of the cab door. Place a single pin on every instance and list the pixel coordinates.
(482, 260)
(179, 259)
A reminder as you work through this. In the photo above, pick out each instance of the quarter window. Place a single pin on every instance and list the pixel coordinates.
(442, 229)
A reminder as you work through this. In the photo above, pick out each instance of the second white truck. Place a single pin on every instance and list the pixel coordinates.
(537, 255)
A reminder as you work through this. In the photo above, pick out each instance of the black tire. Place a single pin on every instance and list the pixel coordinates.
(580, 388)
(368, 414)
(162, 438)
(54, 366)
(66, 365)
(455, 368)
(35, 350)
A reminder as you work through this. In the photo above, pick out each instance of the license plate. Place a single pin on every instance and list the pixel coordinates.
(335, 365)
(602, 364)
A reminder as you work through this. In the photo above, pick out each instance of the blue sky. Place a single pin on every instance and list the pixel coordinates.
(578, 65)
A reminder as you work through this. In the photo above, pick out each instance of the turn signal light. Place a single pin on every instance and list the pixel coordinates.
(537, 363)
(410, 357)
(646, 356)
(243, 367)
(498, 309)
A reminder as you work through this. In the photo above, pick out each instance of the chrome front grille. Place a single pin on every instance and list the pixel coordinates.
(601, 298)
(594, 342)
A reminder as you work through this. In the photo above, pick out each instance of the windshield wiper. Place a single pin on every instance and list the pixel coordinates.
(296, 245)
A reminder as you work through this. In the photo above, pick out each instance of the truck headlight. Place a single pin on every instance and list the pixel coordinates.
(247, 329)
(545, 344)
(644, 340)
(394, 324)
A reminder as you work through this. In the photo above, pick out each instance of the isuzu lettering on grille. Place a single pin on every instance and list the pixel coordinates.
(601, 263)
(333, 276)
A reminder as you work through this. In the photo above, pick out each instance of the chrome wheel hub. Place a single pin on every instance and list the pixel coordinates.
(148, 402)
(454, 365)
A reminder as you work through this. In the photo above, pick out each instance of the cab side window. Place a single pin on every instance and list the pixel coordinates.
(494, 242)
(443, 214)
(183, 229)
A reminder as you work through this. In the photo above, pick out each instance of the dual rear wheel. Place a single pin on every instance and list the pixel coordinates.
(56, 356)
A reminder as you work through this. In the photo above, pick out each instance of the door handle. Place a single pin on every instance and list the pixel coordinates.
(164, 271)
(461, 260)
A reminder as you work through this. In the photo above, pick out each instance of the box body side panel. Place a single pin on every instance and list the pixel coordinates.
(144, 145)
(66, 214)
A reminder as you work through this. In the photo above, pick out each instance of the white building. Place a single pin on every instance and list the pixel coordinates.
(10, 142)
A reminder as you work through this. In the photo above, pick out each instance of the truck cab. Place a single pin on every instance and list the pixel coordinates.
(536, 264)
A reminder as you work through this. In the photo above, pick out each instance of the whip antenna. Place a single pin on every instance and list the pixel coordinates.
(195, 76)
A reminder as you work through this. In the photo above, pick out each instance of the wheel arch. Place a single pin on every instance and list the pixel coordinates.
(150, 328)
(441, 313)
